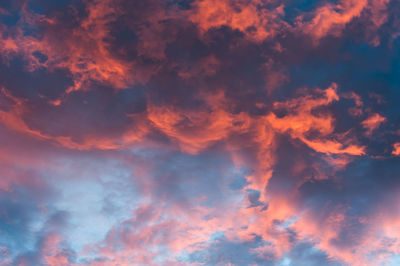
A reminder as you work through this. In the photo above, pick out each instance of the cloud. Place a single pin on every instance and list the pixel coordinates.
(372, 123)
(303, 121)
(332, 18)
(178, 132)
(396, 149)
(250, 17)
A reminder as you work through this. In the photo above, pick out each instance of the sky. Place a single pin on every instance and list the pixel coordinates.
(199, 132)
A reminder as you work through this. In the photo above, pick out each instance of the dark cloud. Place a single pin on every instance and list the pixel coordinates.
(238, 131)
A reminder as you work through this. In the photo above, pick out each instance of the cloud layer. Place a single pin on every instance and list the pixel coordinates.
(197, 132)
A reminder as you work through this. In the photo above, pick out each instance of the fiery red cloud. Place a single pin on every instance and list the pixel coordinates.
(198, 132)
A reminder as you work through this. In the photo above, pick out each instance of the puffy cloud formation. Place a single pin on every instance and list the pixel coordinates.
(197, 132)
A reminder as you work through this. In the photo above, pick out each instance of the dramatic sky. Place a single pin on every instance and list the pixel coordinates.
(200, 132)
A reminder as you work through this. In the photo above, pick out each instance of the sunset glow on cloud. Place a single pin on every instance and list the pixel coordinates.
(199, 132)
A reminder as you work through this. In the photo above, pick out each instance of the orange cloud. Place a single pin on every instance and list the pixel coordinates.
(396, 149)
(255, 22)
(196, 130)
(377, 242)
(301, 120)
(372, 123)
(82, 50)
(332, 18)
